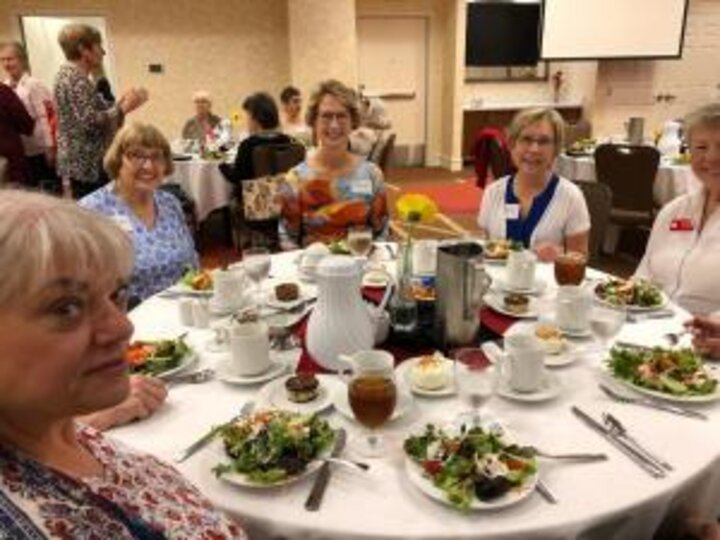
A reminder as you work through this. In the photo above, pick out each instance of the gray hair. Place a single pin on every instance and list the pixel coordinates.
(41, 236)
(528, 117)
(707, 116)
(18, 50)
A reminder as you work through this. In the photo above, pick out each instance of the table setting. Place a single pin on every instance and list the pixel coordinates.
(548, 433)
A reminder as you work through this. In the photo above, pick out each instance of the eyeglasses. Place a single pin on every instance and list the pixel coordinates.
(328, 117)
(542, 142)
(138, 158)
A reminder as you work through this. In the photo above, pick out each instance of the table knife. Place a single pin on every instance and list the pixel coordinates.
(653, 404)
(649, 467)
(323, 477)
(621, 432)
(247, 408)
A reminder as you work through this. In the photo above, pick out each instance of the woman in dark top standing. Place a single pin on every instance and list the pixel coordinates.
(14, 121)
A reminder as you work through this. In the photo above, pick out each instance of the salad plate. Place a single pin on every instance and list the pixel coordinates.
(160, 358)
(342, 404)
(550, 388)
(253, 452)
(274, 394)
(495, 301)
(492, 480)
(224, 373)
(633, 295)
(194, 282)
(445, 365)
(677, 375)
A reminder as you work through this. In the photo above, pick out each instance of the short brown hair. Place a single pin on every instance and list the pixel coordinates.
(528, 117)
(133, 135)
(19, 51)
(344, 94)
(707, 116)
(75, 36)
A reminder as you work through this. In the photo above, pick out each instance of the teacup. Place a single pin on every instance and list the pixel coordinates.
(524, 363)
(521, 269)
(249, 348)
(573, 307)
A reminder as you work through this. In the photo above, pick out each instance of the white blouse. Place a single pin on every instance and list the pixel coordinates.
(566, 215)
(685, 262)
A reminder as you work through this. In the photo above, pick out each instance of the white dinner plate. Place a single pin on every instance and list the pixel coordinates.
(708, 398)
(495, 301)
(550, 388)
(274, 394)
(538, 286)
(569, 353)
(634, 309)
(404, 373)
(224, 373)
(182, 288)
(190, 359)
(340, 400)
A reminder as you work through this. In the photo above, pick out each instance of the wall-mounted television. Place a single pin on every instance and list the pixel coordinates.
(502, 33)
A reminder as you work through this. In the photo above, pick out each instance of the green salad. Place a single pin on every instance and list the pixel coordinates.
(269, 447)
(630, 292)
(474, 465)
(339, 247)
(679, 372)
(155, 357)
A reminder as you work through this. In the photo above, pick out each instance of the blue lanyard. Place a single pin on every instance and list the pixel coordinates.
(520, 229)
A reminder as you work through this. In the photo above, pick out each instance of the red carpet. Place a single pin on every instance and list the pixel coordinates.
(461, 197)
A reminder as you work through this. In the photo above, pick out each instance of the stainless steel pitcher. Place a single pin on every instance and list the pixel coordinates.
(461, 283)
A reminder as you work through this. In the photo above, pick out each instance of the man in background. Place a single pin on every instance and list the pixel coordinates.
(39, 148)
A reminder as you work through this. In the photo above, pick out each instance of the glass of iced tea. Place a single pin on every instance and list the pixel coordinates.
(372, 395)
(570, 268)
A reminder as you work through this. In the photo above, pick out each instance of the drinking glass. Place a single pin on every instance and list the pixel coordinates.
(256, 262)
(359, 241)
(570, 268)
(372, 395)
(475, 380)
(606, 323)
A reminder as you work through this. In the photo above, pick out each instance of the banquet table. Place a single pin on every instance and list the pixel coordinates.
(611, 499)
(671, 181)
(203, 182)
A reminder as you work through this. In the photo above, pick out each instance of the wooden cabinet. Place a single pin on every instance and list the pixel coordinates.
(500, 117)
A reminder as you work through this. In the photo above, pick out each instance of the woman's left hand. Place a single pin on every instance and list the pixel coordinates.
(547, 252)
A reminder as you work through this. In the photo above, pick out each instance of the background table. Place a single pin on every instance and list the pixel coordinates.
(613, 499)
(204, 183)
(671, 180)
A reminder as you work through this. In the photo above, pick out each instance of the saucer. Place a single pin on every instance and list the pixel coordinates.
(496, 302)
(342, 404)
(549, 389)
(274, 394)
(303, 297)
(404, 372)
(221, 310)
(538, 287)
(225, 374)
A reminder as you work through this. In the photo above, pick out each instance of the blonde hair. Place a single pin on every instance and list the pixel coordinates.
(201, 95)
(528, 117)
(74, 36)
(134, 135)
(707, 116)
(41, 235)
(344, 94)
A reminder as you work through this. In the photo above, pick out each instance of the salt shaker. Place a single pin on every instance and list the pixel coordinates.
(201, 313)
(185, 308)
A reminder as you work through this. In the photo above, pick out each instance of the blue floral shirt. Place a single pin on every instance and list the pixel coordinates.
(163, 252)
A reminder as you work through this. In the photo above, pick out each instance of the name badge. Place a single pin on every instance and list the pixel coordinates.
(682, 224)
(362, 187)
(512, 211)
(123, 222)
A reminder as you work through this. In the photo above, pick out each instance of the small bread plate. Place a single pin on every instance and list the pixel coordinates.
(405, 372)
(550, 388)
(274, 394)
(304, 295)
(538, 286)
(375, 278)
(225, 373)
(559, 351)
(496, 302)
(342, 404)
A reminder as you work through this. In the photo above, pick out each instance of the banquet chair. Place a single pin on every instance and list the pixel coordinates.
(598, 198)
(188, 208)
(491, 153)
(254, 216)
(382, 152)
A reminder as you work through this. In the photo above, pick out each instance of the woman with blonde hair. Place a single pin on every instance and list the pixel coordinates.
(534, 206)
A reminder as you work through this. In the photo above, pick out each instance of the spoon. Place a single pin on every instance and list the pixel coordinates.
(195, 377)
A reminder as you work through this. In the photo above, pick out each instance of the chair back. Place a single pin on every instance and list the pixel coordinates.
(383, 151)
(491, 152)
(580, 130)
(271, 159)
(188, 207)
(629, 171)
(598, 198)
(500, 160)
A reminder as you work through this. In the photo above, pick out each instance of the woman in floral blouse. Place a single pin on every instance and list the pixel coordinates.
(86, 122)
(332, 189)
(65, 303)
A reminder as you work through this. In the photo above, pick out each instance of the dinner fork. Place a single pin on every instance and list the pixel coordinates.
(195, 377)
(577, 456)
(651, 403)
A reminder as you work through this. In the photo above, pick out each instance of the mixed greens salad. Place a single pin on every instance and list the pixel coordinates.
(475, 464)
(155, 357)
(269, 447)
(679, 372)
(197, 280)
(633, 293)
(500, 249)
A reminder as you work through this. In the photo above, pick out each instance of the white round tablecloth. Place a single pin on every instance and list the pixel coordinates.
(611, 499)
(204, 183)
(671, 180)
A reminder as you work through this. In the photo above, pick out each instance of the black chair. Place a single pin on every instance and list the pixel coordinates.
(188, 208)
(382, 153)
(598, 198)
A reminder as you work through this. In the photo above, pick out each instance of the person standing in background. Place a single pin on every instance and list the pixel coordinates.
(293, 124)
(86, 123)
(40, 148)
(14, 121)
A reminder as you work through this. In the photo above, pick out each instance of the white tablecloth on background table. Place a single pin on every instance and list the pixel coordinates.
(204, 183)
(671, 180)
(612, 499)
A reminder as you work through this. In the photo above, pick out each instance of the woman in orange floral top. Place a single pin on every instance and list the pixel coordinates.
(332, 189)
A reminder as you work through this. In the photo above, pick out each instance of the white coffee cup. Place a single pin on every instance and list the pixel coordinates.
(424, 257)
(200, 313)
(185, 311)
(228, 287)
(524, 363)
(521, 269)
(249, 348)
(572, 308)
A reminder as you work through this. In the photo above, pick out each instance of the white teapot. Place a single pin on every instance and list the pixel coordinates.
(342, 323)
(670, 143)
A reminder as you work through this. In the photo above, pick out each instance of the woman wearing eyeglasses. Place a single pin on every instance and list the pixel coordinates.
(137, 162)
(535, 206)
(333, 189)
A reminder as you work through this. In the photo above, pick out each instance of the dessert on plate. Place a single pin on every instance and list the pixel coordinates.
(302, 388)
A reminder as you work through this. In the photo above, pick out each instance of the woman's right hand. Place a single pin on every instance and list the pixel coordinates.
(706, 335)
(133, 99)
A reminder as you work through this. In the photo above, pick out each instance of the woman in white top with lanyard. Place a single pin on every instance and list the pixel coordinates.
(535, 206)
(683, 254)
